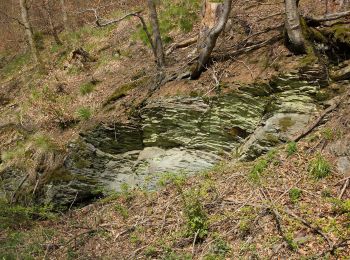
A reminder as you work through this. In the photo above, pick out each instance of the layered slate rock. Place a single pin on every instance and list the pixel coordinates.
(184, 134)
(291, 109)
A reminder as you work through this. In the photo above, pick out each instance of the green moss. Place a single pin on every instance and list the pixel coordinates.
(271, 138)
(285, 123)
(123, 90)
(341, 33)
(15, 65)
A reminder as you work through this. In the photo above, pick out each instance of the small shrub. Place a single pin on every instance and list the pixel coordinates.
(196, 217)
(84, 113)
(258, 169)
(295, 194)
(292, 148)
(247, 217)
(177, 179)
(14, 216)
(219, 250)
(319, 167)
(122, 211)
(341, 206)
(151, 252)
(87, 88)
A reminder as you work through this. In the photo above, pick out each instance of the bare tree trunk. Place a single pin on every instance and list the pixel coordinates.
(344, 4)
(157, 40)
(52, 26)
(293, 27)
(64, 15)
(28, 30)
(214, 18)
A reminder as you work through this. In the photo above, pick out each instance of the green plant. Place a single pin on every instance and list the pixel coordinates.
(291, 242)
(87, 88)
(319, 167)
(84, 113)
(177, 179)
(257, 170)
(295, 194)
(247, 217)
(151, 252)
(341, 206)
(15, 65)
(14, 216)
(196, 217)
(123, 211)
(219, 250)
(292, 148)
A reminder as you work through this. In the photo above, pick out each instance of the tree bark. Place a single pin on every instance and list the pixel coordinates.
(51, 23)
(64, 15)
(157, 40)
(28, 30)
(214, 18)
(293, 27)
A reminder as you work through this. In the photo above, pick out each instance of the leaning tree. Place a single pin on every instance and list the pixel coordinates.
(214, 18)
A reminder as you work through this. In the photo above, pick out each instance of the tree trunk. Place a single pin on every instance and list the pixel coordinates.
(214, 18)
(157, 40)
(293, 27)
(28, 30)
(64, 15)
(51, 24)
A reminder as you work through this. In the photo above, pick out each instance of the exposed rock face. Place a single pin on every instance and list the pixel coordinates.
(184, 134)
(341, 72)
(290, 110)
(341, 149)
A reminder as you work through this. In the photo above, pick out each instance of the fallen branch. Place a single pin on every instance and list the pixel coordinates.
(315, 229)
(224, 56)
(335, 105)
(345, 186)
(342, 243)
(19, 187)
(182, 44)
(328, 17)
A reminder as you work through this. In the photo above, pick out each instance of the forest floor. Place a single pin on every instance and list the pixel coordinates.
(288, 204)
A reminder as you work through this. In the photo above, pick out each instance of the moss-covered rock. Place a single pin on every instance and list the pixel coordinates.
(124, 89)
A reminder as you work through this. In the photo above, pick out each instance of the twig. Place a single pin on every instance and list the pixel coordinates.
(334, 247)
(182, 44)
(223, 56)
(75, 198)
(18, 188)
(316, 229)
(346, 184)
(194, 242)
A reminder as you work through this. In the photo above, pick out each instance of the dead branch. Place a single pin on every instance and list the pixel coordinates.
(315, 229)
(345, 186)
(225, 56)
(182, 44)
(336, 102)
(342, 243)
(84, 54)
(19, 187)
(270, 16)
(328, 17)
